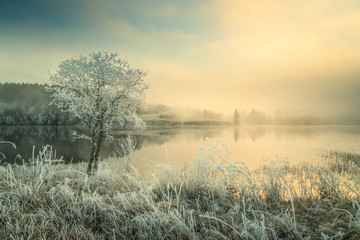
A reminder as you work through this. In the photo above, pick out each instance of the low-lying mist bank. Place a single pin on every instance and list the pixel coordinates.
(28, 105)
(210, 198)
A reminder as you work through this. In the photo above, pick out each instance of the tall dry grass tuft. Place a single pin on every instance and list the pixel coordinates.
(209, 198)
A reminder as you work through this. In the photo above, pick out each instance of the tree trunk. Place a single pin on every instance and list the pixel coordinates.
(91, 160)
(98, 147)
(95, 152)
(96, 156)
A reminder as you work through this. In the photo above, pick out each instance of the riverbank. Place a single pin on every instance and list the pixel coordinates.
(210, 198)
(153, 123)
(156, 120)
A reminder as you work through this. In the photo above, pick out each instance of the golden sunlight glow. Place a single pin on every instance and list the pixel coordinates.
(217, 55)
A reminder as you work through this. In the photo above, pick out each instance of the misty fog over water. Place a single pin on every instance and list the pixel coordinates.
(177, 146)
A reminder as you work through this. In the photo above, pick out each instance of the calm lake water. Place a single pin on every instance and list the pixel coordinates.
(178, 146)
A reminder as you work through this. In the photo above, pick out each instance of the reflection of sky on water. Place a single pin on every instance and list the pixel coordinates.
(253, 143)
(180, 145)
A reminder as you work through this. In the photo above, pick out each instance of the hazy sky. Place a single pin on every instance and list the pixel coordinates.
(215, 54)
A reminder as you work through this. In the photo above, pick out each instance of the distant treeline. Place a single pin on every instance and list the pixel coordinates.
(28, 104)
(166, 112)
(281, 117)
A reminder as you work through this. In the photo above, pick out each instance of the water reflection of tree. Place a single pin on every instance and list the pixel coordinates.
(257, 133)
(236, 133)
(75, 150)
(25, 138)
(161, 137)
(285, 132)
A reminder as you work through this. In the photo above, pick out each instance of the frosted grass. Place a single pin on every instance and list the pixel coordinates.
(210, 198)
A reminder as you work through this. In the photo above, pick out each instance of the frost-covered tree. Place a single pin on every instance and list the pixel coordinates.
(104, 92)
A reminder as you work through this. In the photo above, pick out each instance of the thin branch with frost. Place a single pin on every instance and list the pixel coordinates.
(13, 145)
